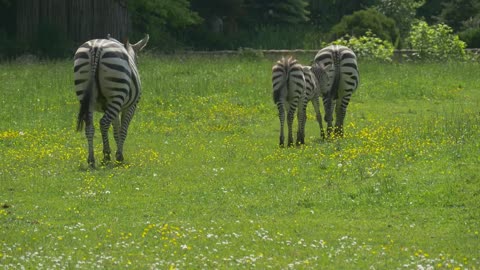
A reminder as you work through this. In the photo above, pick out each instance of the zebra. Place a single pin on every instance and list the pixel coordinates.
(340, 63)
(107, 80)
(288, 83)
(316, 86)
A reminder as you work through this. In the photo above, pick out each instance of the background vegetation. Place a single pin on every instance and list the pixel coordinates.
(205, 185)
(259, 24)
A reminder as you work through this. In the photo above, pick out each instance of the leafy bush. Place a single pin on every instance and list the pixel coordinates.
(436, 42)
(368, 47)
(362, 21)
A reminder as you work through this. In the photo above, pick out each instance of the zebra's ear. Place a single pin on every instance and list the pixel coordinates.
(141, 44)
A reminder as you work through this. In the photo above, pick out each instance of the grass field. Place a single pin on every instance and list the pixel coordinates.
(206, 186)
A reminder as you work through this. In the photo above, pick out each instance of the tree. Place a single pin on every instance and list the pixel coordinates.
(430, 10)
(162, 19)
(360, 22)
(403, 12)
(326, 13)
(263, 12)
(457, 13)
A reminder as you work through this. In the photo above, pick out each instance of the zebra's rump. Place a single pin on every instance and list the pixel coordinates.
(288, 80)
(341, 66)
(106, 66)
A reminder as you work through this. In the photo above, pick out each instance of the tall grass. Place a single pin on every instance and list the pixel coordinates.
(206, 186)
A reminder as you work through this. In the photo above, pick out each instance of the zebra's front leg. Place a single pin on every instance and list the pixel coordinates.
(89, 132)
(125, 122)
(105, 123)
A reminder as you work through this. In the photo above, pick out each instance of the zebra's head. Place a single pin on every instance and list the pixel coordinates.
(134, 49)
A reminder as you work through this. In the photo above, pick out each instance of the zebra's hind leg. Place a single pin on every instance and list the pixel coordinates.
(302, 119)
(105, 123)
(125, 122)
(316, 106)
(281, 117)
(290, 117)
(329, 106)
(89, 132)
(340, 112)
(116, 130)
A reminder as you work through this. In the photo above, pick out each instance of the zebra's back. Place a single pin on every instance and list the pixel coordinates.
(288, 80)
(340, 63)
(288, 83)
(107, 80)
(106, 65)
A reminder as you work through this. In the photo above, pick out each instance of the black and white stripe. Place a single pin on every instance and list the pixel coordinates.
(107, 80)
(340, 64)
(288, 90)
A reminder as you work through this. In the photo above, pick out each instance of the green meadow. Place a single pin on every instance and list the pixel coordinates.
(205, 185)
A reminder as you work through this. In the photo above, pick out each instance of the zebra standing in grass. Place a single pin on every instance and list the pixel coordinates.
(288, 84)
(340, 63)
(316, 86)
(107, 80)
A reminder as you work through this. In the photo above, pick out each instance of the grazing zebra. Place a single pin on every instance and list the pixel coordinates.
(340, 63)
(107, 80)
(316, 86)
(288, 90)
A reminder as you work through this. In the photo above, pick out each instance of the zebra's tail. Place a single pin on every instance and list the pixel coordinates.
(281, 90)
(86, 101)
(336, 80)
(84, 106)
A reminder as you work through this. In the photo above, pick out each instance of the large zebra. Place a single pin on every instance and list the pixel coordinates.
(288, 84)
(107, 80)
(340, 63)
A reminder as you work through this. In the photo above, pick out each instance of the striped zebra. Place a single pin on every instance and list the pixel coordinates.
(107, 80)
(288, 84)
(340, 63)
(316, 86)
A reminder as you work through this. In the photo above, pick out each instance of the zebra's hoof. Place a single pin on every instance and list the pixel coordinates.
(119, 157)
(91, 164)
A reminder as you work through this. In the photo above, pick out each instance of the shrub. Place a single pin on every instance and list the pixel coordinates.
(435, 42)
(368, 47)
(362, 21)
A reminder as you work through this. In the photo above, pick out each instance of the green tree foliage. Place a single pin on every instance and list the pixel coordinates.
(402, 11)
(290, 11)
(326, 13)
(360, 22)
(457, 13)
(436, 42)
(162, 19)
(471, 36)
(368, 47)
(278, 12)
